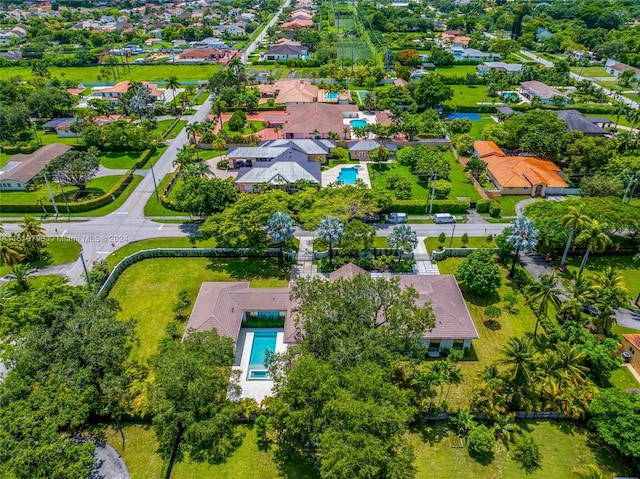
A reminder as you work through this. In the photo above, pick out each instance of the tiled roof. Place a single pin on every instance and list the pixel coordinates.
(324, 117)
(30, 165)
(633, 339)
(524, 172)
(280, 173)
(487, 148)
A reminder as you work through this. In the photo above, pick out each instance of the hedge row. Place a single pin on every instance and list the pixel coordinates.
(594, 109)
(144, 157)
(471, 108)
(418, 207)
(78, 207)
(169, 128)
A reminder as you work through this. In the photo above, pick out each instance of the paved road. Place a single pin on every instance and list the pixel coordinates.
(261, 36)
(610, 93)
(100, 236)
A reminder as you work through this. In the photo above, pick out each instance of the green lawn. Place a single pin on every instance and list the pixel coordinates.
(487, 346)
(60, 252)
(137, 72)
(96, 187)
(155, 208)
(456, 70)
(624, 264)
(162, 125)
(119, 160)
(461, 186)
(252, 126)
(147, 290)
(623, 379)
(591, 72)
(139, 451)
(177, 128)
(509, 203)
(478, 125)
(153, 159)
(564, 447)
(47, 139)
(322, 245)
(170, 242)
(431, 243)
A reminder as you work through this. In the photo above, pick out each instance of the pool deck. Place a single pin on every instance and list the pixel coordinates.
(331, 175)
(257, 389)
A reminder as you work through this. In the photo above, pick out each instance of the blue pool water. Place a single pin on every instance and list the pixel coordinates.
(262, 341)
(358, 123)
(348, 176)
(332, 95)
(470, 116)
(513, 96)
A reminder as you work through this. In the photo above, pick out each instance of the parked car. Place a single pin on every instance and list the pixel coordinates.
(444, 218)
(371, 218)
(396, 218)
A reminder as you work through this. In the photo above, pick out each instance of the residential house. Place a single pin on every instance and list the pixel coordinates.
(316, 150)
(22, 169)
(499, 67)
(520, 175)
(300, 15)
(297, 24)
(152, 41)
(537, 89)
(400, 82)
(210, 43)
(20, 31)
(361, 150)
(316, 120)
(285, 52)
(196, 55)
(178, 43)
(462, 53)
(543, 34)
(12, 55)
(5, 37)
(290, 92)
(630, 349)
(281, 174)
(113, 92)
(61, 126)
(226, 306)
(616, 68)
(576, 121)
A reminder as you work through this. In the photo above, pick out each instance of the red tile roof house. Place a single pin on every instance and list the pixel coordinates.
(313, 120)
(113, 92)
(224, 306)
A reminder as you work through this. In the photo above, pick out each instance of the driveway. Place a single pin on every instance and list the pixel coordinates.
(108, 464)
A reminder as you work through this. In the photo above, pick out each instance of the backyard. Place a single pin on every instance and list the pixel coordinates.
(471, 95)
(147, 290)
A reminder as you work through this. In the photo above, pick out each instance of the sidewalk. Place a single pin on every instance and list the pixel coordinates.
(424, 266)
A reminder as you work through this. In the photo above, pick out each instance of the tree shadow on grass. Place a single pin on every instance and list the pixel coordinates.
(295, 466)
(492, 324)
(483, 459)
(431, 432)
(479, 299)
(609, 458)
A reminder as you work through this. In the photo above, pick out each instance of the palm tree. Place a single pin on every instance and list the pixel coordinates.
(369, 101)
(463, 422)
(489, 398)
(620, 109)
(609, 287)
(395, 114)
(192, 130)
(218, 107)
(280, 230)
(544, 292)
(402, 238)
(425, 382)
(21, 274)
(520, 361)
(184, 157)
(330, 229)
(346, 131)
(505, 428)
(570, 360)
(575, 221)
(595, 238)
(523, 237)
(548, 367)
(173, 84)
(219, 143)
(591, 471)
(33, 238)
(9, 252)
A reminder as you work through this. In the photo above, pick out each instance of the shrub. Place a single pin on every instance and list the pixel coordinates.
(400, 186)
(237, 120)
(482, 206)
(222, 164)
(11, 150)
(442, 189)
(495, 209)
(26, 149)
(479, 272)
(527, 453)
(481, 443)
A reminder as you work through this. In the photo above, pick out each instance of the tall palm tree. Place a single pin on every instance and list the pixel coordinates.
(280, 229)
(330, 229)
(523, 237)
(570, 360)
(33, 238)
(425, 381)
(595, 237)
(620, 109)
(575, 221)
(542, 293)
(219, 143)
(519, 359)
(10, 254)
(173, 84)
(464, 422)
(489, 398)
(218, 107)
(22, 274)
(609, 287)
(402, 238)
(548, 366)
(345, 131)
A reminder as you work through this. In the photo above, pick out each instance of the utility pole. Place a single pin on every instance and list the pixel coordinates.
(53, 200)
(155, 185)
(433, 191)
(452, 233)
(86, 272)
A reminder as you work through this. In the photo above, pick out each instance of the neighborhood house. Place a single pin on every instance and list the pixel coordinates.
(22, 169)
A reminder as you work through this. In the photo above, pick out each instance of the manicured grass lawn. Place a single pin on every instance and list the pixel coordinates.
(155, 208)
(96, 187)
(139, 451)
(491, 338)
(49, 138)
(454, 70)
(154, 158)
(623, 379)
(591, 72)
(461, 186)
(509, 204)
(322, 245)
(252, 126)
(431, 243)
(119, 160)
(564, 447)
(60, 252)
(162, 125)
(130, 248)
(147, 291)
(177, 128)
(478, 125)
(471, 95)
(624, 264)
(136, 73)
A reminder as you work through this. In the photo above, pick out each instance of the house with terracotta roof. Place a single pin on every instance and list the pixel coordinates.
(230, 307)
(297, 24)
(520, 175)
(631, 346)
(290, 92)
(315, 120)
(112, 93)
(196, 55)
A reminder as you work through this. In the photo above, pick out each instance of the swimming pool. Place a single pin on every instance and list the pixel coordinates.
(332, 95)
(511, 95)
(359, 123)
(469, 116)
(263, 341)
(348, 176)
